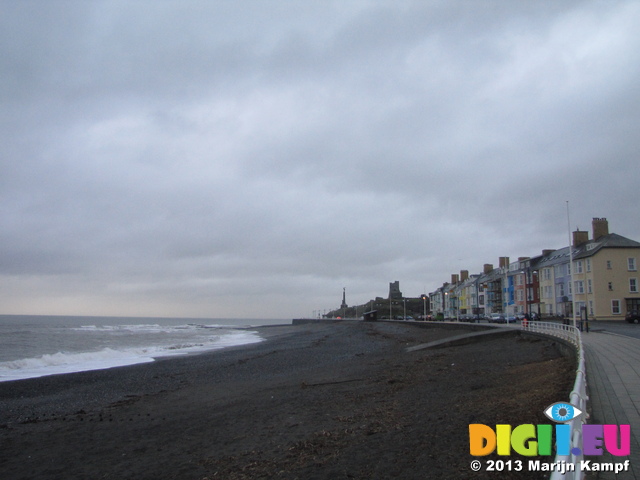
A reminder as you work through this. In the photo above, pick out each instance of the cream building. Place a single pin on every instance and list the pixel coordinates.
(605, 276)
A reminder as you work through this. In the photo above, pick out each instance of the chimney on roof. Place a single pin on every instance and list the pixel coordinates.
(464, 275)
(547, 252)
(600, 227)
(580, 238)
(504, 262)
(487, 268)
(454, 278)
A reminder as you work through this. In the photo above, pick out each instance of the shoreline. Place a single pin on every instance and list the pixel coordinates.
(26, 389)
(313, 401)
(99, 356)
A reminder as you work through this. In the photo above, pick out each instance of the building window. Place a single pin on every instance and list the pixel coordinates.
(546, 274)
(615, 307)
(589, 286)
(608, 264)
(548, 291)
(579, 287)
(631, 261)
(610, 285)
(591, 307)
(560, 290)
(588, 264)
(633, 285)
(579, 266)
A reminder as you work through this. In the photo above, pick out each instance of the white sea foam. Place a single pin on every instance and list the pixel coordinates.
(66, 362)
(146, 328)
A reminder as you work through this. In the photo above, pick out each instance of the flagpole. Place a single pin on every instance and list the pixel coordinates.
(572, 285)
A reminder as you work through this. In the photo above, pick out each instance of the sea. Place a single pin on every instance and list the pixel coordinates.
(36, 346)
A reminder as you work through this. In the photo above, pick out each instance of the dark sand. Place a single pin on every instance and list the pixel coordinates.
(322, 401)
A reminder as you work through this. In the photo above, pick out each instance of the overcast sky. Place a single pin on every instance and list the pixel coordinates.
(252, 158)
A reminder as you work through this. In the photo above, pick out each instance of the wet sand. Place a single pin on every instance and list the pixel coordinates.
(318, 401)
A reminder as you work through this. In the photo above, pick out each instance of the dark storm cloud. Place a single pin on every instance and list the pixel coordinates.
(252, 158)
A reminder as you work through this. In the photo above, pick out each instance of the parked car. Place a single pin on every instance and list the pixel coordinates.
(496, 318)
(632, 316)
(511, 319)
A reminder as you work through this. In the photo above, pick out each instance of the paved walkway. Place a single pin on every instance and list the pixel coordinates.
(613, 383)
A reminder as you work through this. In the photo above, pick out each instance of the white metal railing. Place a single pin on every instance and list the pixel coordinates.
(578, 396)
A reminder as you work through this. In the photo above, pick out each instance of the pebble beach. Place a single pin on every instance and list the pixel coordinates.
(315, 401)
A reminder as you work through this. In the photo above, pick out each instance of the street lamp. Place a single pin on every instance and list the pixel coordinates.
(506, 292)
(527, 298)
(446, 302)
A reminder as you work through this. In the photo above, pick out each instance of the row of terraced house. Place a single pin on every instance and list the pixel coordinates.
(604, 286)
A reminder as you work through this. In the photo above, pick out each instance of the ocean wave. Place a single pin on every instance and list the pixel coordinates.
(147, 328)
(69, 362)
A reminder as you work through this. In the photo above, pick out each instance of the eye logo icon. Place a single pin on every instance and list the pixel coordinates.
(562, 412)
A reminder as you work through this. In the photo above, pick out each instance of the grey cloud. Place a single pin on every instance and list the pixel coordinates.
(165, 158)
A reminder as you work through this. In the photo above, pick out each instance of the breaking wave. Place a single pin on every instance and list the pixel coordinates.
(68, 362)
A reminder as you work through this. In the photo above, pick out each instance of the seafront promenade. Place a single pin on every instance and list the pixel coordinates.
(613, 382)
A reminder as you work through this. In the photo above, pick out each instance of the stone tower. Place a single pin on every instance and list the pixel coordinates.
(394, 291)
(344, 298)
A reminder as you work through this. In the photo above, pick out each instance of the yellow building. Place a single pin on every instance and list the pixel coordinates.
(605, 273)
